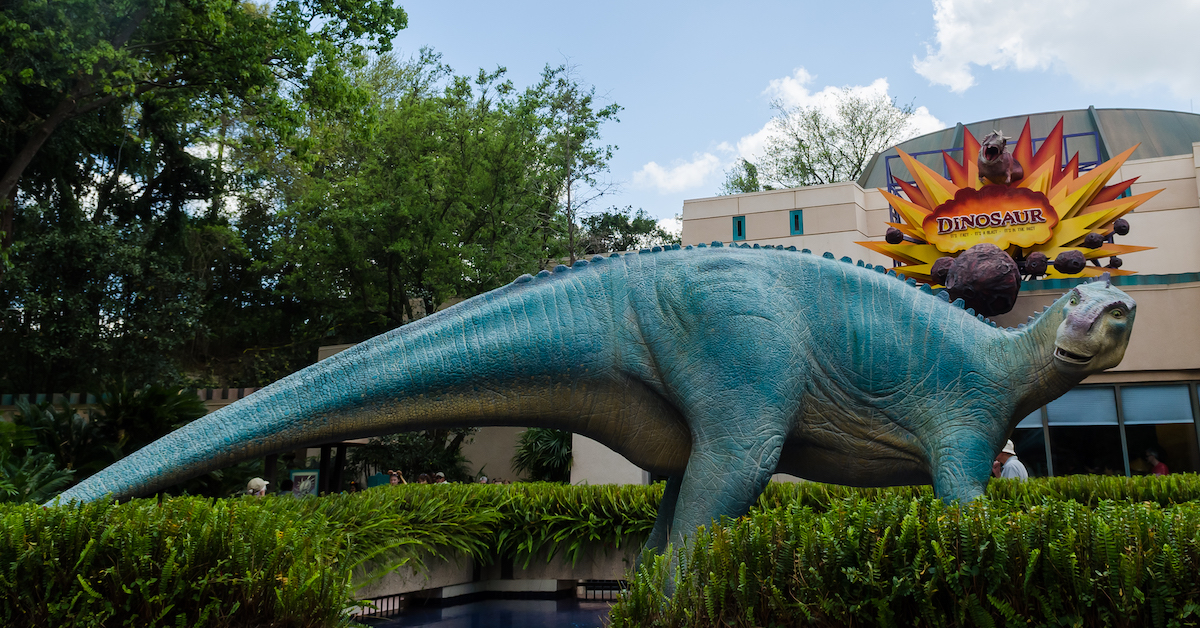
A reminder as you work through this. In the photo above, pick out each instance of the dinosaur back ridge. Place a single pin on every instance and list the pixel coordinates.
(581, 264)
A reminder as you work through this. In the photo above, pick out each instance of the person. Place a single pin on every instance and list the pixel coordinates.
(483, 479)
(1157, 466)
(257, 486)
(397, 477)
(439, 478)
(423, 478)
(1007, 465)
(285, 488)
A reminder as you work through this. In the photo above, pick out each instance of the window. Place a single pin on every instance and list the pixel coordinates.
(739, 228)
(1110, 429)
(796, 221)
(1084, 433)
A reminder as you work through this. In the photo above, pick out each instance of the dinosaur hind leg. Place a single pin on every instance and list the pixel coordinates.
(724, 477)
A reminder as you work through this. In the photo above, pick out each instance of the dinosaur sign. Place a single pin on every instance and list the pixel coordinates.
(1049, 218)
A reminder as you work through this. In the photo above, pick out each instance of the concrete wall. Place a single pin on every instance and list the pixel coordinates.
(459, 575)
(596, 464)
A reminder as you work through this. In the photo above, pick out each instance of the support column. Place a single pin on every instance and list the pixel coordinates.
(339, 469)
(269, 465)
(324, 469)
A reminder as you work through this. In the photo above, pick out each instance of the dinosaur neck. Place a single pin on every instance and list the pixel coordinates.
(1032, 362)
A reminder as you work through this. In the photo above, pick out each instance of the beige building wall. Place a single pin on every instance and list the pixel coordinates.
(839, 214)
(596, 464)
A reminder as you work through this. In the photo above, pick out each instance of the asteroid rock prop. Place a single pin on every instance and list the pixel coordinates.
(986, 278)
(1036, 264)
(941, 269)
(1069, 262)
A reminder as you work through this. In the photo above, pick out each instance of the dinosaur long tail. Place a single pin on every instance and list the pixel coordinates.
(531, 355)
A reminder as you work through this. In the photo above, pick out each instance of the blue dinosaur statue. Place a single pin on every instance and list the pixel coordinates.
(715, 366)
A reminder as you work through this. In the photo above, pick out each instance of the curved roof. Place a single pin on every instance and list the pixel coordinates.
(1107, 132)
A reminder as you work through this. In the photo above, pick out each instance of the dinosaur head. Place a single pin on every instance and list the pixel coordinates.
(993, 146)
(1097, 321)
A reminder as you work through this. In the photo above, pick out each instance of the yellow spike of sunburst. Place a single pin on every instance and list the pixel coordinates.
(912, 213)
(906, 252)
(919, 272)
(907, 230)
(1088, 271)
(1109, 250)
(1076, 227)
(1080, 192)
(1039, 180)
(936, 188)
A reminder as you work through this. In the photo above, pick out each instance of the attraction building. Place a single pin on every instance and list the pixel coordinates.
(1107, 424)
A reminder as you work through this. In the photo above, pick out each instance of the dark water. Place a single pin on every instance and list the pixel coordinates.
(569, 613)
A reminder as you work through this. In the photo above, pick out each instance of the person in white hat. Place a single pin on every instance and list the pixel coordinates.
(1007, 465)
(256, 486)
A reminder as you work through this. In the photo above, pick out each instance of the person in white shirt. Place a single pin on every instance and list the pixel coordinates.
(1007, 465)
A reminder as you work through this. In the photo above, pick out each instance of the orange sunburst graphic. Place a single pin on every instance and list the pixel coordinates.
(1050, 210)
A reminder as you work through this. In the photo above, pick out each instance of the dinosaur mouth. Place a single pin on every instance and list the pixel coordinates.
(1073, 358)
(991, 152)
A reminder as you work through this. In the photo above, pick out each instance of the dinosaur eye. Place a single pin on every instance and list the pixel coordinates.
(1118, 313)
(1074, 299)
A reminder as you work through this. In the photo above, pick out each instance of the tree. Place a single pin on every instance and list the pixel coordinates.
(110, 113)
(544, 455)
(574, 158)
(742, 178)
(814, 145)
(414, 453)
(79, 60)
(622, 230)
(430, 200)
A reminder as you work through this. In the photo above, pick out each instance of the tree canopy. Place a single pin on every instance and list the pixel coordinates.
(813, 145)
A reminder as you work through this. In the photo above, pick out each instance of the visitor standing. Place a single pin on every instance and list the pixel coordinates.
(1154, 459)
(1007, 465)
(257, 487)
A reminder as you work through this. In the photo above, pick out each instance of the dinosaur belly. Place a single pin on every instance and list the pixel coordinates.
(854, 444)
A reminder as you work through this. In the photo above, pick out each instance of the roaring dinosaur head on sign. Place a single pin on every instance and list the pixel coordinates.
(996, 165)
(1097, 321)
(993, 146)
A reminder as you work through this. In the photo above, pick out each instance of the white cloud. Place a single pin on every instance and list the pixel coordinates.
(705, 169)
(794, 91)
(673, 226)
(1104, 44)
(680, 176)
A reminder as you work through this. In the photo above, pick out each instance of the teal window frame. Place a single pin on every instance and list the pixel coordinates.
(796, 221)
(739, 228)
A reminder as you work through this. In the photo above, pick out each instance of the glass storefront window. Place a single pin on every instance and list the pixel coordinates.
(1176, 442)
(1030, 444)
(1084, 406)
(1156, 404)
(1092, 449)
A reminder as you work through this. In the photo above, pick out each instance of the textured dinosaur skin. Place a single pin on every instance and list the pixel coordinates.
(715, 366)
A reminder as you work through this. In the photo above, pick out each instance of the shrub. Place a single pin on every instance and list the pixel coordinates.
(903, 557)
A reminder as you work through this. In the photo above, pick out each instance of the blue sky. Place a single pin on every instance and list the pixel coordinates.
(696, 79)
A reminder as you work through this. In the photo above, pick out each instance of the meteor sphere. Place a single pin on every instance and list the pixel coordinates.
(986, 278)
(1069, 262)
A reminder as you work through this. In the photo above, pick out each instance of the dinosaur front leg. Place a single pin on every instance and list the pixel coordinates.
(962, 465)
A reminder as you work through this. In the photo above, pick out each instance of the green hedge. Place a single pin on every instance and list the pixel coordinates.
(1020, 557)
(278, 561)
(1084, 550)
